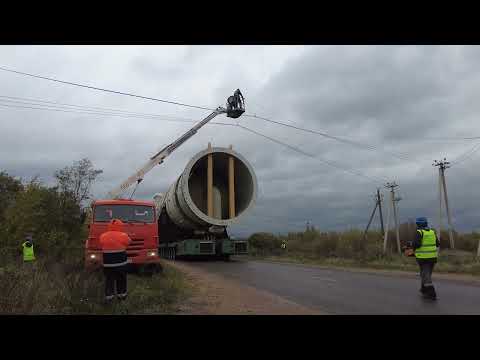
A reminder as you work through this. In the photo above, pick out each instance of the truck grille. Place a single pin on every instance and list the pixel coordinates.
(206, 248)
(240, 247)
(134, 248)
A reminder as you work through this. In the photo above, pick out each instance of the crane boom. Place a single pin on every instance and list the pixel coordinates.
(235, 108)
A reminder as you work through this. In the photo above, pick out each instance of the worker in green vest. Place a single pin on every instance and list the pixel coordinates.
(28, 254)
(426, 252)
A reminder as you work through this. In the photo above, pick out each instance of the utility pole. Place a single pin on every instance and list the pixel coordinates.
(379, 201)
(370, 221)
(442, 165)
(397, 222)
(439, 204)
(393, 200)
(385, 238)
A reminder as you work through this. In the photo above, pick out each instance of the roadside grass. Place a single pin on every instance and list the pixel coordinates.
(350, 249)
(446, 264)
(51, 287)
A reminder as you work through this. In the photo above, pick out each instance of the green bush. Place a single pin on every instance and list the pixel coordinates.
(264, 243)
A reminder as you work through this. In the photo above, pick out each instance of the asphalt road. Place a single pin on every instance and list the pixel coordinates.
(347, 292)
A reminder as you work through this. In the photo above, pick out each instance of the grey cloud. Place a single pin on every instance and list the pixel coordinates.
(388, 96)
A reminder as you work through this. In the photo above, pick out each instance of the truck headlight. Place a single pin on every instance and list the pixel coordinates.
(152, 253)
(93, 256)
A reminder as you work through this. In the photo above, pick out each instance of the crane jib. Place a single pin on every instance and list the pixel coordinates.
(235, 108)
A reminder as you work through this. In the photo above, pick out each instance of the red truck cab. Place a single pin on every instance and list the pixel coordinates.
(140, 224)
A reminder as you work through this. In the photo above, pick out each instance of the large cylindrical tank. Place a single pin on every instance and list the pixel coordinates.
(186, 200)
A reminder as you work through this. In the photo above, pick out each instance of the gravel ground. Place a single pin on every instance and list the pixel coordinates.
(214, 294)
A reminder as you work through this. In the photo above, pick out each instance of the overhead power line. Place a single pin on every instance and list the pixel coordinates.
(467, 155)
(343, 140)
(333, 164)
(66, 105)
(102, 89)
(34, 106)
(340, 139)
(366, 146)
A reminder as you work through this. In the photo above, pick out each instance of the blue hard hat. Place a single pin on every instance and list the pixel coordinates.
(421, 221)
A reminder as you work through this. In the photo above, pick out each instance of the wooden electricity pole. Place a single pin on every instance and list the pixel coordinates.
(442, 165)
(378, 203)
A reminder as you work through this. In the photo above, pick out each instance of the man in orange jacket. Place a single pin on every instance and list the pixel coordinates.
(114, 244)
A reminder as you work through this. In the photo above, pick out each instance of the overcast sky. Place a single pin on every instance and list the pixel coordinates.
(400, 99)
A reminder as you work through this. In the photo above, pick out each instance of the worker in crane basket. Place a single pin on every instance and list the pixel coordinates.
(114, 244)
(426, 252)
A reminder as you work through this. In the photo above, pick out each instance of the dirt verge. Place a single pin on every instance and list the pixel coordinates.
(215, 295)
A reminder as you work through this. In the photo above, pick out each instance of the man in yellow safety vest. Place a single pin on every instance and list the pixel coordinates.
(426, 246)
(28, 254)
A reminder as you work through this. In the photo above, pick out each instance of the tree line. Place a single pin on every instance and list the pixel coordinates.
(54, 215)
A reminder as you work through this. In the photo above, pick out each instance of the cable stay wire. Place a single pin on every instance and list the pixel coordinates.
(333, 164)
(105, 90)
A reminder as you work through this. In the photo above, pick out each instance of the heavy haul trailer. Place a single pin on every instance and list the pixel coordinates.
(217, 187)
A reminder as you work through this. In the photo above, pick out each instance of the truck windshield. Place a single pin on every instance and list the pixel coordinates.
(126, 213)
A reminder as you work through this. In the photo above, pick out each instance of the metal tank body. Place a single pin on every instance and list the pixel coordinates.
(186, 201)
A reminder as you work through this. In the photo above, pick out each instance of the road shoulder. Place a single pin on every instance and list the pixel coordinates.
(214, 294)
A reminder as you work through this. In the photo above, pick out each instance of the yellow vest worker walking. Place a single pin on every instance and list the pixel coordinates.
(426, 253)
(28, 254)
